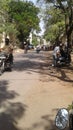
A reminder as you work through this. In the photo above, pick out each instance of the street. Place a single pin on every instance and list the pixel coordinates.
(32, 93)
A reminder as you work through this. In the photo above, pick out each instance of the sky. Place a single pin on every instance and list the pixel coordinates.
(41, 22)
(34, 1)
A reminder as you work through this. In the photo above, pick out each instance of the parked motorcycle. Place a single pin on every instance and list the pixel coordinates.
(61, 61)
(6, 62)
(9, 61)
(2, 62)
(64, 59)
(64, 119)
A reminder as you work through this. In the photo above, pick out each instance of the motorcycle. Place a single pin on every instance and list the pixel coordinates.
(6, 62)
(9, 61)
(64, 59)
(2, 62)
(38, 49)
(64, 118)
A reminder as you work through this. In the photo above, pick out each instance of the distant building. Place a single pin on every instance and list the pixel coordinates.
(46, 42)
(2, 44)
(30, 38)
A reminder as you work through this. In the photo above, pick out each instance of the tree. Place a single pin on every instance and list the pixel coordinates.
(5, 25)
(54, 21)
(34, 40)
(25, 17)
(66, 7)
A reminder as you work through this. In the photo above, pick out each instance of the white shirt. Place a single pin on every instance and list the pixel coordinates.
(56, 49)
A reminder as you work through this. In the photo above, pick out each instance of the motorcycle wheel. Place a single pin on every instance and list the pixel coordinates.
(8, 66)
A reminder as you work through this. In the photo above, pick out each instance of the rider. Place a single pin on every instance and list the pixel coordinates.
(8, 51)
(56, 53)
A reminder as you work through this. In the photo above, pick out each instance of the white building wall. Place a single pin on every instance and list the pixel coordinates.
(30, 38)
(3, 40)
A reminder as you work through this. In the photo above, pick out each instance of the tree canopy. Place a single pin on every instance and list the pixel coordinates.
(54, 24)
(66, 8)
(25, 17)
(18, 18)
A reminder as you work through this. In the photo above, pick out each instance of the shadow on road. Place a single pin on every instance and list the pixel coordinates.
(4, 93)
(63, 73)
(29, 62)
(47, 122)
(10, 112)
(42, 63)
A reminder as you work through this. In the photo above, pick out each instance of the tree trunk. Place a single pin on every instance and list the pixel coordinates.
(68, 31)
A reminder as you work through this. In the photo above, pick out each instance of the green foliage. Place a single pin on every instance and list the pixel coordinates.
(18, 18)
(3, 13)
(70, 106)
(10, 29)
(25, 16)
(66, 8)
(34, 40)
(0, 37)
(55, 24)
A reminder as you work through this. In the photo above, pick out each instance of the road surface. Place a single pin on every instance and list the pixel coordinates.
(32, 93)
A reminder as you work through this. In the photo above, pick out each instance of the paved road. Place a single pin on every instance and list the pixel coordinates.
(31, 94)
